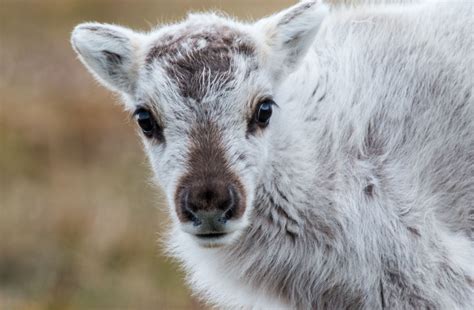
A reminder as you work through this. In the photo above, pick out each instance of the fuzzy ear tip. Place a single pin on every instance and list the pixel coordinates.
(310, 3)
(84, 27)
(314, 5)
(80, 31)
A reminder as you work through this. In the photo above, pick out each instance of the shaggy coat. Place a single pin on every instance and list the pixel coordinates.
(358, 194)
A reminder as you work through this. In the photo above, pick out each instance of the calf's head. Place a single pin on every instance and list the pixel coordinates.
(203, 94)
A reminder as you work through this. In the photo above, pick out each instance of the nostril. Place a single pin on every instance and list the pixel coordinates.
(187, 211)
(232, 204)
(226, 216)
(190, 215)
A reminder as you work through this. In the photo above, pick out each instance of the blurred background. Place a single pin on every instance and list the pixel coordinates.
(79, 220)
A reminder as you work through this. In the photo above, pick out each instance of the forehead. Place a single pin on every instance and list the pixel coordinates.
(201, 59)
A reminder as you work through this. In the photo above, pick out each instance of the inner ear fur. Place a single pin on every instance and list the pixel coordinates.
(109, 52)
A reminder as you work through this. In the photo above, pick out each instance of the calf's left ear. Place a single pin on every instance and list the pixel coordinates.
(110, 53)
(289, 34)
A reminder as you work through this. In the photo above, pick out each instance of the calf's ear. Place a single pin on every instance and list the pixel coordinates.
(288, 35)
(110, 53)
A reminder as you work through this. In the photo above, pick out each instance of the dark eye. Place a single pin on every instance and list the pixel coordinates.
(146, 122)
(264, 112)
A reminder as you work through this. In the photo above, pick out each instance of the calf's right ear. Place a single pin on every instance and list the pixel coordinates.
(110, 53)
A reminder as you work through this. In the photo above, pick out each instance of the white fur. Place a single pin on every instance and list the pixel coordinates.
(360, 193)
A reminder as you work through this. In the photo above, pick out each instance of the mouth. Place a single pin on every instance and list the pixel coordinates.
(213, 239)
(210, 236)
(213, 236)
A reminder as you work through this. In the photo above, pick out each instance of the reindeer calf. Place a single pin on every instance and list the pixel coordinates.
(317, 158)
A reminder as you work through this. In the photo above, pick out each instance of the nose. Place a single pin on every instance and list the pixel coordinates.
(209, 205)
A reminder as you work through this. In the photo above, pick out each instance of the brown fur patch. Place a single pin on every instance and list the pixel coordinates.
(195, 54)
(414, 231)
(208, 168)
(369, 190)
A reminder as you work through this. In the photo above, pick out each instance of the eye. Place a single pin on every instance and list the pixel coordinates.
(146, 122)
(264, 112)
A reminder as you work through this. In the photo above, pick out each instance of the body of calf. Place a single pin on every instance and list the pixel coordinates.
(358, 192)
